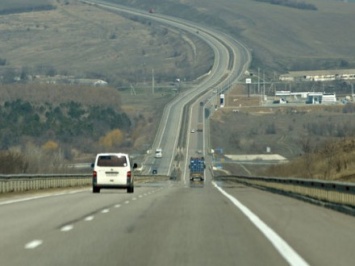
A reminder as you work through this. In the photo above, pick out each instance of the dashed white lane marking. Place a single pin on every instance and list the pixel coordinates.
(286, 251)
(67, 228)
(33, 244)
(89, 218)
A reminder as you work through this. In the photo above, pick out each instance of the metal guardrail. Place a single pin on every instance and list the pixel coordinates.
(328, 192)
(332, 194)
(28, 182)
(25, 182)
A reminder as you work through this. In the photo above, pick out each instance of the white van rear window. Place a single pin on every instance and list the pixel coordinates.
(111, 160)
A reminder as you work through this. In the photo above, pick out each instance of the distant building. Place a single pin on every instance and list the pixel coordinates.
(59, 79)
(311, 97)
(319, 97)
(319, 75)
(100, 83)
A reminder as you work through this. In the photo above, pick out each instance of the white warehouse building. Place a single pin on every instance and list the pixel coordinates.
(319, 97)
(319, 75)
(311, 97)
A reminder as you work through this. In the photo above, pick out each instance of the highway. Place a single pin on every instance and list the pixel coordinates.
(231, 60)
(175, 222)
(170, 223)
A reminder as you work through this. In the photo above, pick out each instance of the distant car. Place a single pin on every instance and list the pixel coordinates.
(158, 153)
(280, 101)
(113, 171)
(192, 130)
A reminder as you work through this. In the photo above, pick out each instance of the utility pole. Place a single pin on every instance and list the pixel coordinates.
(264, 98)
(258, 80)
(133, 90)
(153, 81)
(248, 82)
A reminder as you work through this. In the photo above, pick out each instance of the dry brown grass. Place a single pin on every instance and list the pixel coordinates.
(82, 40)
(316, 139)
(281, 38)
(56, 94)
(335, 161)
(85, 41)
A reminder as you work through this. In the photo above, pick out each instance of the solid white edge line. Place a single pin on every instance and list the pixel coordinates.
(285, 250)
(40, 197)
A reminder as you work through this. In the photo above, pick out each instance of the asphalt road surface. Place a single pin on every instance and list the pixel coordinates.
(171, 223)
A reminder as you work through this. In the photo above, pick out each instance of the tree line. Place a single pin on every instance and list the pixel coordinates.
(25, 8)
(291, 3)
(68, 123)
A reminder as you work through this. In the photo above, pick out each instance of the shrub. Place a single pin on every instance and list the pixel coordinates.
(12, 163)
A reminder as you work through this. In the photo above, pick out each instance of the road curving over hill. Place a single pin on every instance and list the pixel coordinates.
(231, 59)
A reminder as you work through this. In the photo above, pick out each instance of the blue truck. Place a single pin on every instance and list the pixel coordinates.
(197, 168)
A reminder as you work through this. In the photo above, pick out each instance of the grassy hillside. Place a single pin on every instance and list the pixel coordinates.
(80, 41)
(39, 113)
(317, 140)
(76, 41)
(281, 38)
(83, 41)
(333, 160)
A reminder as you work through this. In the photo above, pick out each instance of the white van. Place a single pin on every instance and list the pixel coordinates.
(113, 170)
